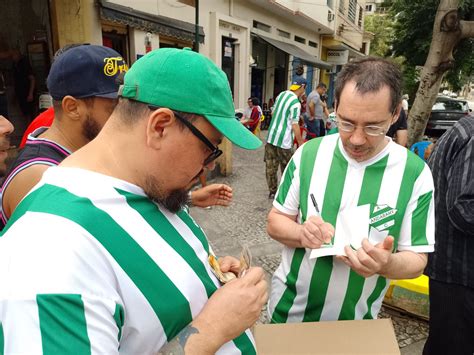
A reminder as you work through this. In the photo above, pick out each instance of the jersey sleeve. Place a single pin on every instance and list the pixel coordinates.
(295, 112)
(287, 198)
(417, 231)
(52, 295)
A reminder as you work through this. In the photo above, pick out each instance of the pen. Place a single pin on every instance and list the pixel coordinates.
(315, 204)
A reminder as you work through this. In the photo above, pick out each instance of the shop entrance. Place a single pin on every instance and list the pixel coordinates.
(25, 55)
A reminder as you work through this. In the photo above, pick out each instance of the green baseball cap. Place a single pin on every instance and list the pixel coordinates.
(186, 81)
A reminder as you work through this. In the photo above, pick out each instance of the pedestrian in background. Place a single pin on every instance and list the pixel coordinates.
(314, 117)
(253, 121)
(451, 266)
(25, 84)
(283, 129)
(405, 104)
(399, 130)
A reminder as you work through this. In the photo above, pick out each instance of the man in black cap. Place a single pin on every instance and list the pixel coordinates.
(83, 83)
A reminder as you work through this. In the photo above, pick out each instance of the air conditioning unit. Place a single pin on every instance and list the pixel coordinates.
(331, 16)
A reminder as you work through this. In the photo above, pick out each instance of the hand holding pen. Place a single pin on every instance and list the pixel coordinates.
(314, 232)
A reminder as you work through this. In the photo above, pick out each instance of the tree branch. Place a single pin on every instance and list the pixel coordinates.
(467, 29)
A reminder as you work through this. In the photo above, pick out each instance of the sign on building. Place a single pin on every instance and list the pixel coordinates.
(337, 57)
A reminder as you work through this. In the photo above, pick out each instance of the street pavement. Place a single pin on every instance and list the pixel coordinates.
(244, 223)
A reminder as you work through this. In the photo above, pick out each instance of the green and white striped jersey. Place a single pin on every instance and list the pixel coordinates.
(88, 264)
(286, 112)
(398, 187)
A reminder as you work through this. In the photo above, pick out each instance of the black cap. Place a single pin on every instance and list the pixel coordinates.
(86, 71)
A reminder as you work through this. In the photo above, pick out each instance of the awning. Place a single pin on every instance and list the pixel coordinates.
(297, 52)
(162, 25)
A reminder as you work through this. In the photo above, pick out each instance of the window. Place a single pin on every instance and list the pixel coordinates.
(361, 16)
(341, 6)
(300, 39)
(352, 10)
(261, 26)
(312, 44)
(368, 8)
(283, 33)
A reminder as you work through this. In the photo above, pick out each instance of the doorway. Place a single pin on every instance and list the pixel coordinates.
(228, 60)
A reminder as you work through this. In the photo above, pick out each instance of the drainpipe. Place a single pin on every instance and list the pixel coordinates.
(196, 27)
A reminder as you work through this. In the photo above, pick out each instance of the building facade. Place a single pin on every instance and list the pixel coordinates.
(260, 44)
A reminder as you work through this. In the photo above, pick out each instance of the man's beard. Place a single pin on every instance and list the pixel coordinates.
(90, 128)
(173, 202)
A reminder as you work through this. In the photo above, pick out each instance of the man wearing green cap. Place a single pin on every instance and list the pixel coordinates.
(102, 257)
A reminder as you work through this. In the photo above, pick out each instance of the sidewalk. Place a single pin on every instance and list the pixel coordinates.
(244, 223)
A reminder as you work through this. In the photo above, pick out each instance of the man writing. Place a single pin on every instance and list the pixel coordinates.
(113, 260)
(359, 167)
(283, 128)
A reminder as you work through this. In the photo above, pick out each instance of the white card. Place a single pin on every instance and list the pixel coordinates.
(352, 226)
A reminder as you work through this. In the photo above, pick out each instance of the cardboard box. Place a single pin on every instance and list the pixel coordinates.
(342, 337)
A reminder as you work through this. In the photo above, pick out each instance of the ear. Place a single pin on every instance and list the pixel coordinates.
(71, 108)
(157, 127)
(396, 114)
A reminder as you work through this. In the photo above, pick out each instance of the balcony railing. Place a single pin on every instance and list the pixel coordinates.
(352, 10)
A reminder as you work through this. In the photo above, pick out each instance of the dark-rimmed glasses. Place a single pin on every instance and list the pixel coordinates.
(215, 151)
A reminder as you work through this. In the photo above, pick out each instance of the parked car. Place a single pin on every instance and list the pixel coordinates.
(444, 114)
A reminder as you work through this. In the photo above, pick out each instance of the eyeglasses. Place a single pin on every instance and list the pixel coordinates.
(370, 130)
(215, 151)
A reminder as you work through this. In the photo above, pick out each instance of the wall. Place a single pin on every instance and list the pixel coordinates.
(76, 22)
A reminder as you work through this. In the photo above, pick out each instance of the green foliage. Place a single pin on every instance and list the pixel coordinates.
(412, 33)
(381, 27)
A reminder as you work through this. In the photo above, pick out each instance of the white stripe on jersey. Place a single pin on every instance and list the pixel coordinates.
(17, 318)
(99, 335)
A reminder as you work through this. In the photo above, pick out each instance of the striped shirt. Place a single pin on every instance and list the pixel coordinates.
(89, 265)
(452, 163)
(36, 151)
(398, 187)
(286, 112)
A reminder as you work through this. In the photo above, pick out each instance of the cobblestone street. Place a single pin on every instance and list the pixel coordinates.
(244, 223)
